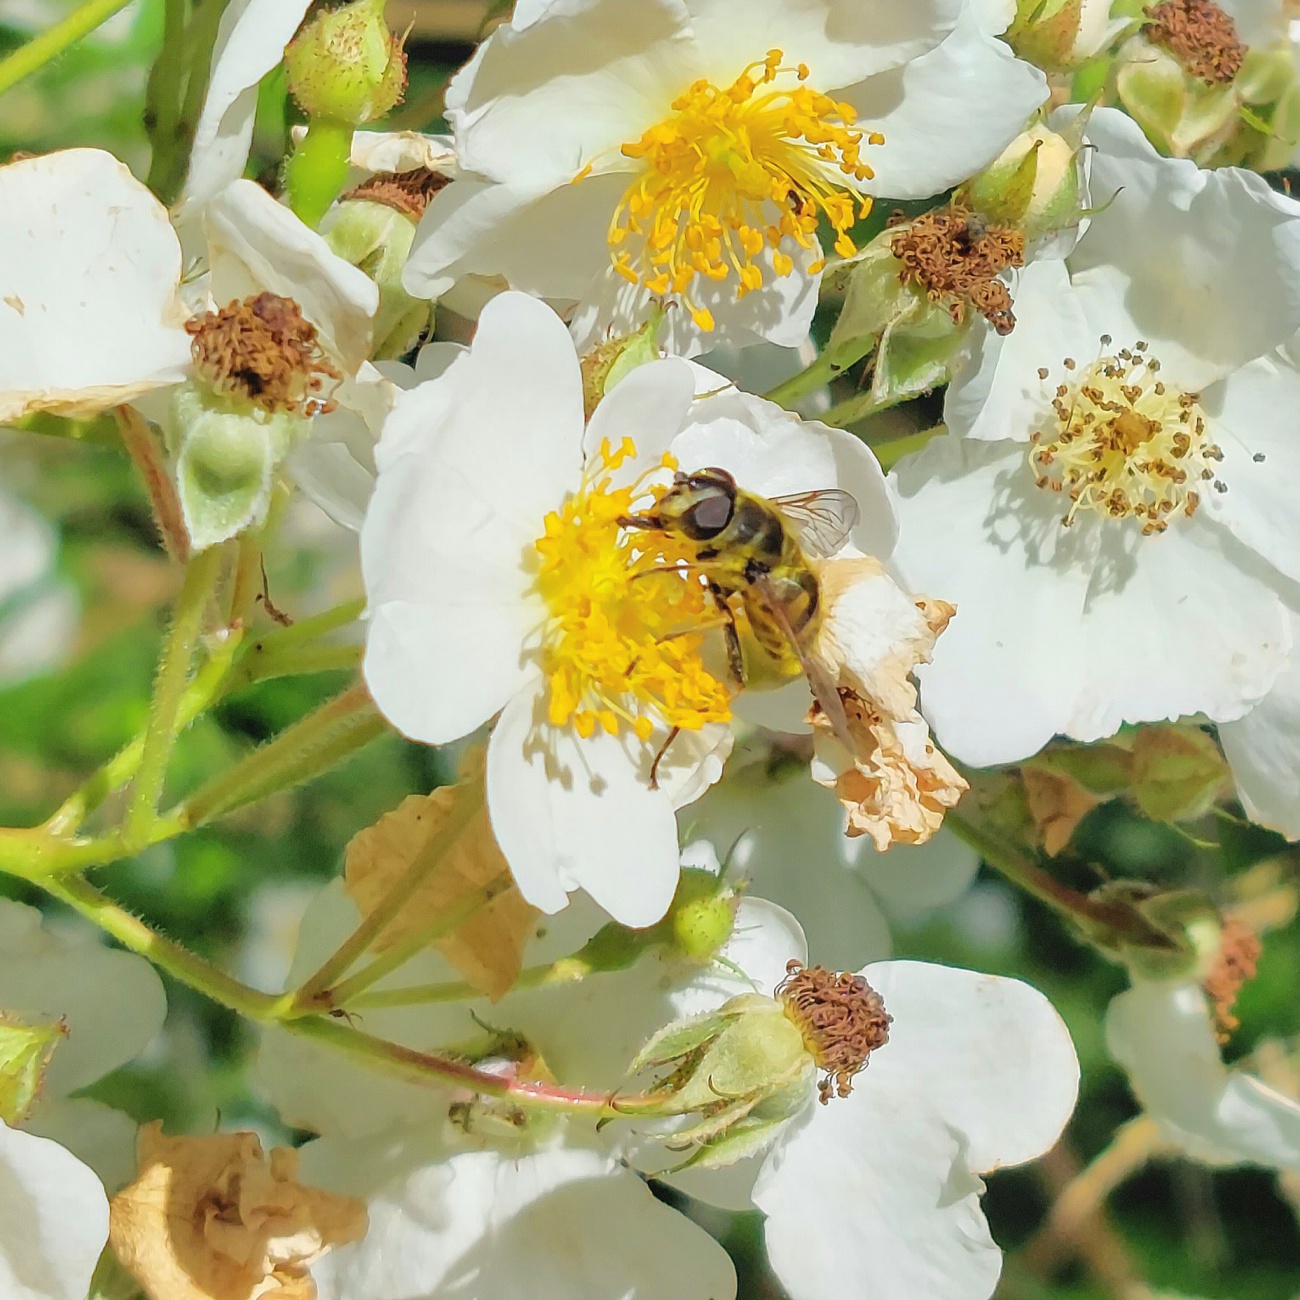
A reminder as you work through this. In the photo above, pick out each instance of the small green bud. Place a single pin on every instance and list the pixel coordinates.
(1035, 184)
(226, 460)
(25, 1052)
(1059, 35)
(377, 239)
(1178, 773)
(609, 362)
(345, 64)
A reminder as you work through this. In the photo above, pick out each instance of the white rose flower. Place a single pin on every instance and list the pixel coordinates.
(1108, 512)
(93, 317)
(553, 1218)
(112, 1005)
(601, 145)
(495, 527)
(53, 1219)
(1163, 1033)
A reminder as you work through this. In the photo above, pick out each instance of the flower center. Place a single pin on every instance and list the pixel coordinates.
(1233, 968)
(621, 647)
(735, 172)
(261, 351)
(954, 256)
(1200, 36)
(1124, 443)
(408, 192)
(842, 1020)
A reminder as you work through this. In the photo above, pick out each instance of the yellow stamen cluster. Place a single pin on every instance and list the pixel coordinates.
(1124, 443)
(621, 647)
(734, 172)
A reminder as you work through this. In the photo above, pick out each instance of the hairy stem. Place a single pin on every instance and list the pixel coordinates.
(173, 673)
(567, 970)
(144, 453)
(33, 56)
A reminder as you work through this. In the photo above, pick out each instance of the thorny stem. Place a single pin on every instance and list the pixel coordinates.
(316, 743)
(50, 44)
(169, 687)
(400, 953)
(1093, 916)
(464, 809)
(143, 450)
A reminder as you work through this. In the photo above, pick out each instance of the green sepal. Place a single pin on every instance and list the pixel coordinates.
(25, 1052)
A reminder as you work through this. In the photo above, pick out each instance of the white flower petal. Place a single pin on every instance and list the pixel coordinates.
(1263, 749)
(250, 42)
(560, 1224)
(255, 243)
(469, 466)
(989, 1054)
(579, 814)
(99, 1136)
(1255, 427)
(535, 106)
(113, 1002)
(90, 314)
(913, 879)
(551, 243)
(996, 391)
(53, 1220)
(871, 1200)
(780, 312)
(649, 405)
(1160, 1032)
(841, 41)
(1207, 263)
(946, 114)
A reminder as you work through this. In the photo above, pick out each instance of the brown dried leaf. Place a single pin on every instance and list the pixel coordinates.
(1057, 803)
(211, 1219)
(487, 949)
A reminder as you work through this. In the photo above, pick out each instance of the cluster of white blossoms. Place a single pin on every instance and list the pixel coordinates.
(715, 676)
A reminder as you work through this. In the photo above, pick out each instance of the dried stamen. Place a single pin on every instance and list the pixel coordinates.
(842, 1020)
(1233, 968)
(262, 351)
(408, 192)
(1200, 36)
(956, 258)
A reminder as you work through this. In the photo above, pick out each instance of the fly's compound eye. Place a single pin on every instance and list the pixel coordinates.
(709, 516)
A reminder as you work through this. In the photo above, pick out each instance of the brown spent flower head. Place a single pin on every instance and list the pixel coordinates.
(407, 192)
(1233, 968)
(262, 351)
(956, 256)
(1200, 36)
(842, 1020)
(209, 1219)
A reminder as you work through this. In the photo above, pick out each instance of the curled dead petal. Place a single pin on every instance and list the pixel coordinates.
(212, 1219)
(90, 315)
(397, 151)
(250, 42)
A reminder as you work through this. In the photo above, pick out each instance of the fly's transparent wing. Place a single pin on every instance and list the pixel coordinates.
(821, 521)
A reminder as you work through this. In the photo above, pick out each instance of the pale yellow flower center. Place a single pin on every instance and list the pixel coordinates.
(1124, 443)
(621, 647)
(734, 172)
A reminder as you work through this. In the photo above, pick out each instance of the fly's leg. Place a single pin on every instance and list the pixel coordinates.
(735, 658)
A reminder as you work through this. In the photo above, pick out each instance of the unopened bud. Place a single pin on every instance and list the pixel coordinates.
(1058, 35)
(1034, 185)
(25, 1052)
(345, 64)
(609, 362)
(702, 916)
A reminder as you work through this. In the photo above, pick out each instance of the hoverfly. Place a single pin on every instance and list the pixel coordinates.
(755, 552)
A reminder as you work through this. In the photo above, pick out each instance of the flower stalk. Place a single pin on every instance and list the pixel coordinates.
(46, 47)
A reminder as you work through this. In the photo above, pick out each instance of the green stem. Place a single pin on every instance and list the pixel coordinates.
(316, 173)
(417, 941)
(797, 387)
(179, 962)
(858, 407)
(50, 44)
(144, 452)
(173, 671)
(332, 733)
(891, 452)
(567, 970)
(1093, 916)
(464, 809)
